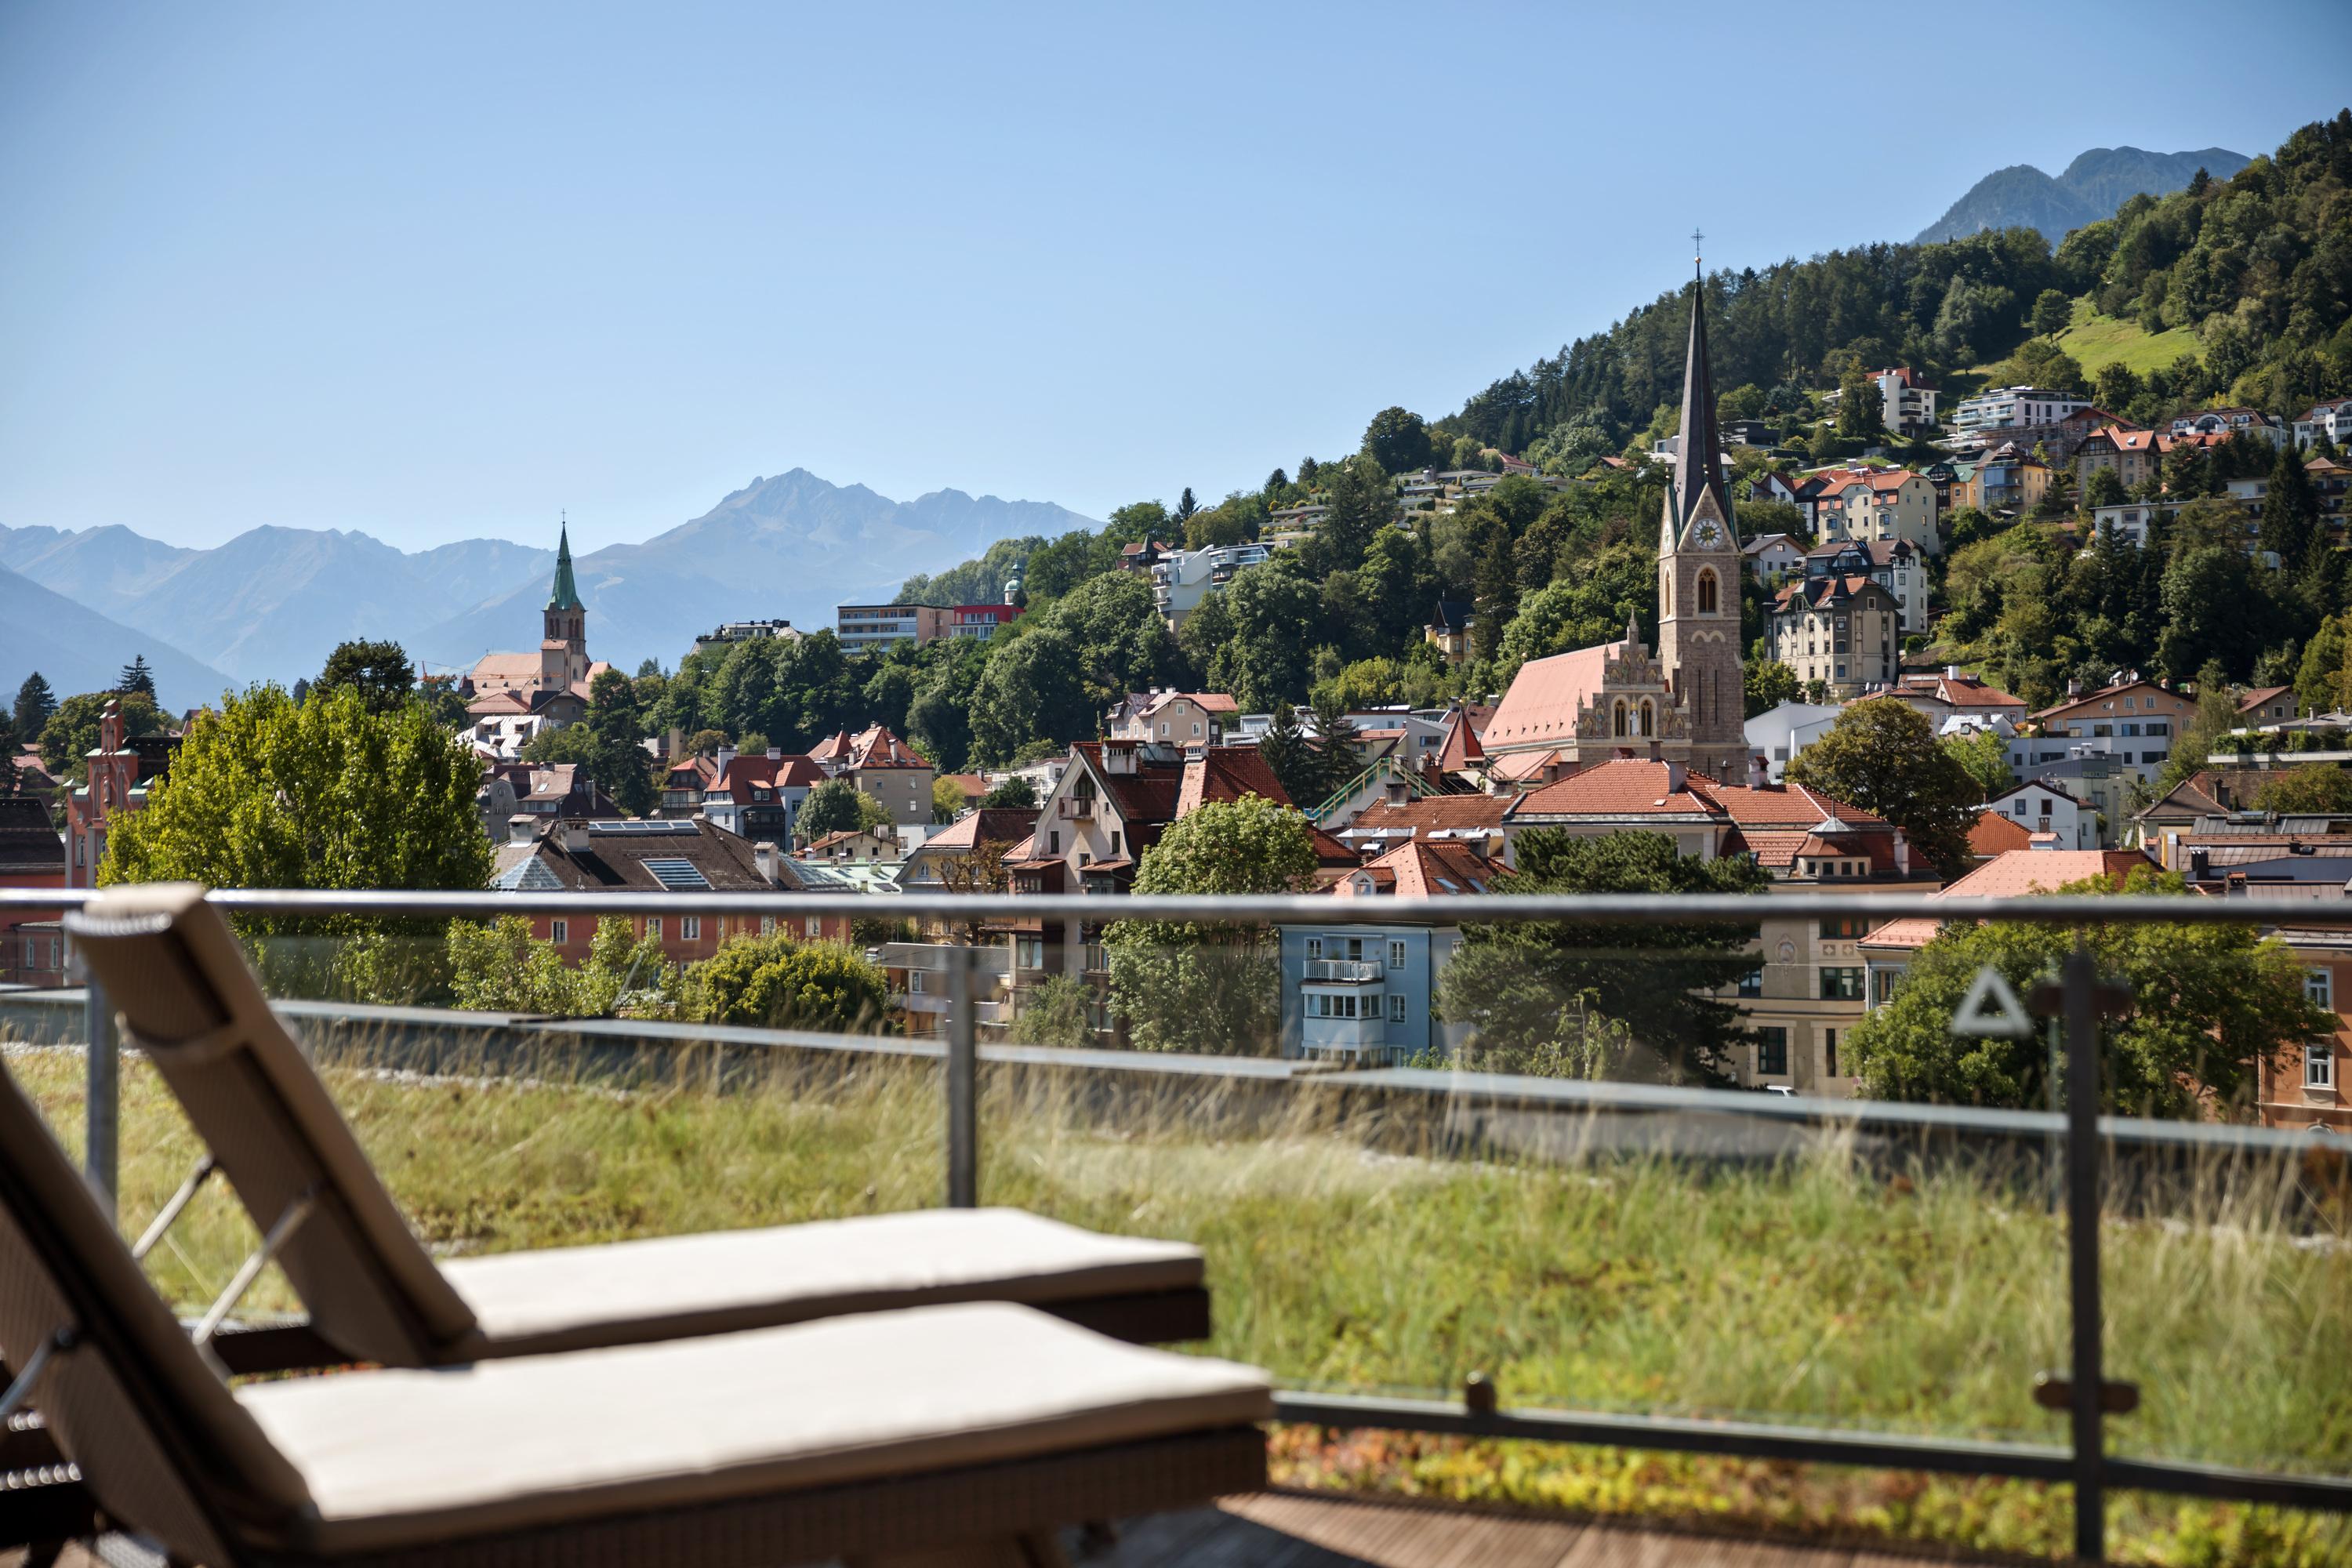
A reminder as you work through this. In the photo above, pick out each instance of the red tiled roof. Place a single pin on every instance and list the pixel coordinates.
(1959, 692)
(2260, 695)
(1540, 707)
(1437, 814)
(1416, 870)
(2015, 873)
(989, 824)
(1461, 747)
(1227, 773)
(1994, 834)
(1620, 787)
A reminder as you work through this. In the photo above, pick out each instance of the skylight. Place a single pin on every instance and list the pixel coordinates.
(677, 875)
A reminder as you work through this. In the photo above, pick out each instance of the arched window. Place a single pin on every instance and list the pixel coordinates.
(1649, 718)
(1617, 720)
(1707, 591)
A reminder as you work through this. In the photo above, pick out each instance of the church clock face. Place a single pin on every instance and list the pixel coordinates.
(1710, 533)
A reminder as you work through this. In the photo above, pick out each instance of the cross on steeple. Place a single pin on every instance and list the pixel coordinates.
(1698, 262)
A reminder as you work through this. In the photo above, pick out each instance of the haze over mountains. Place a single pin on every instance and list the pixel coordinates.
(2093, 186)
(271, 602)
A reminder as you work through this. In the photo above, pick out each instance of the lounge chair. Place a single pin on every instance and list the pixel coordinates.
(187, 996)
(932, 1434)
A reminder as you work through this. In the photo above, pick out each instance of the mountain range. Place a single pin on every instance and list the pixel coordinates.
(77, 649)
(2094, 186)
(270, 603)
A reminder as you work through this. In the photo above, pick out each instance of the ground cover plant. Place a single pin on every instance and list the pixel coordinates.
(1821, 1288)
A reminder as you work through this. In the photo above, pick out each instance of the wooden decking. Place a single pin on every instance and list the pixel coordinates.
(1294, 1529)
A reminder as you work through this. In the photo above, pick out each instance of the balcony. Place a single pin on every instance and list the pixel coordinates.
(1438, 1212)
(1075, 807)
(1343, 971)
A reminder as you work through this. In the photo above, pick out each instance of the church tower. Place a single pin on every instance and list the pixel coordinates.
(1699, 577)
(563, 635)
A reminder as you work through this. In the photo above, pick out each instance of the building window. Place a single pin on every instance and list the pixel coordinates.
(1396, 1009)
(1841, 985)
(1752, 982)
(2319, 988)
(653, 927)
(1054, 841)
(767, 925)
(1846, 928)
(1396, 953)
(1771, 1052)
(1314, 947)
(690, 928)
(1828, 1054)
(914, 983)
(814, 926)
(1029, 951)
(2319, 1067)
(558, 932)
(1097, 958)
(1706, 594)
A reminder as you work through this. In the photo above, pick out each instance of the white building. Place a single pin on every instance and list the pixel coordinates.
(1183, 578)
(2232, 422)
(2330, 421)
(2039, 806)
(2009, 407)
(1780, 734)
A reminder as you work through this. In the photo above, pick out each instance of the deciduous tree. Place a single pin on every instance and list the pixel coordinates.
(837, 805)
(1881, 755)
(773, 982)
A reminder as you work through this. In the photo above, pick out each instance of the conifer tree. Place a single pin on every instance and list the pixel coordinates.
(35, 703)
(137, 677)
(1284, 750)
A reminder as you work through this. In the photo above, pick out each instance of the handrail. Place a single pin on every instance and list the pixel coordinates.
(1594, 909)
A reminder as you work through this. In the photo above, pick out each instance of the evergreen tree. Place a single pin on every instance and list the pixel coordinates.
(7, 754)
(1284, 750)
(1277, 480)
(136, 676)
(614, 726)
(2290, 509)
(1185, 506)
(35, 703)
(1335, 762)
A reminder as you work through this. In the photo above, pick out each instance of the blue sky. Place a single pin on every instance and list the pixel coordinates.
(433, 272)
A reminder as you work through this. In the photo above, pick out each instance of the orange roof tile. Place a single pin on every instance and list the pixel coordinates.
(1540, 707)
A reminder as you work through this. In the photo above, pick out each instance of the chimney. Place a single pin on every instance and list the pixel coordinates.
(1902, 854)
(1757, 774)
(573, 834)
(521, 828)
(1675, 772)
(763, 855)
(676, 753)
(1951, 672)
(775, 754)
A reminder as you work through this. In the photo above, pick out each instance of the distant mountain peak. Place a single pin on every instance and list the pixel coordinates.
(2093, 186)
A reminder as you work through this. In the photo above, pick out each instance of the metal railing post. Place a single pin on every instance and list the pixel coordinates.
(962, 1081)
(2080, 985)
(103, 1109)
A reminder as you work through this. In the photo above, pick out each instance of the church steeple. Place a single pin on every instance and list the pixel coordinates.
(566, 596)
(1699, 440)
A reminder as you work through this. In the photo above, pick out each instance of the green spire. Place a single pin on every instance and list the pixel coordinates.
(567, 596)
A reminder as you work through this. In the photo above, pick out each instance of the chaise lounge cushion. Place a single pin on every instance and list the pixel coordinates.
(665, 1287)
(395, 1459)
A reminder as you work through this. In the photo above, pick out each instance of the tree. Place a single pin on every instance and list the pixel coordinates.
(1016, 792)
(2209, 1005)
(1185, 506)
(71, 733)
(1032, 686)
(1882, 756)
(2306, 789)
(1397, 440)
(837, 805)
(1536, 993)
(265, 794)
(615, 728)
(946, 800)
(1198, 987)
(137, 677)
(8, 774)
(1861, 410)
(1055, 1013)
(379, 671)
(1334, 748)
(2052, 311)
(1284, 749)
(35, 703)
(772, 982)
(499, 967)
(2290, 509)
(2323, 682)
(1361, 497)
(1769, 684)
(1983, 756)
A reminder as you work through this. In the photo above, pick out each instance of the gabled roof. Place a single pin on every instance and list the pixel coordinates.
(660, 855)
(1993, 834)
(1828, 593)
(1417, 869)
(1007, 825)
(2184, 799)
(1623, 786)
(1227, 773)
(2119, 688)
(1957, 692)
(1540, 707)
(1452, 615)
(1436, 816)
(1462, 749)
(2013, 874)
(871, 747)
(2260, 695)
(768, 772)
(28, 843)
